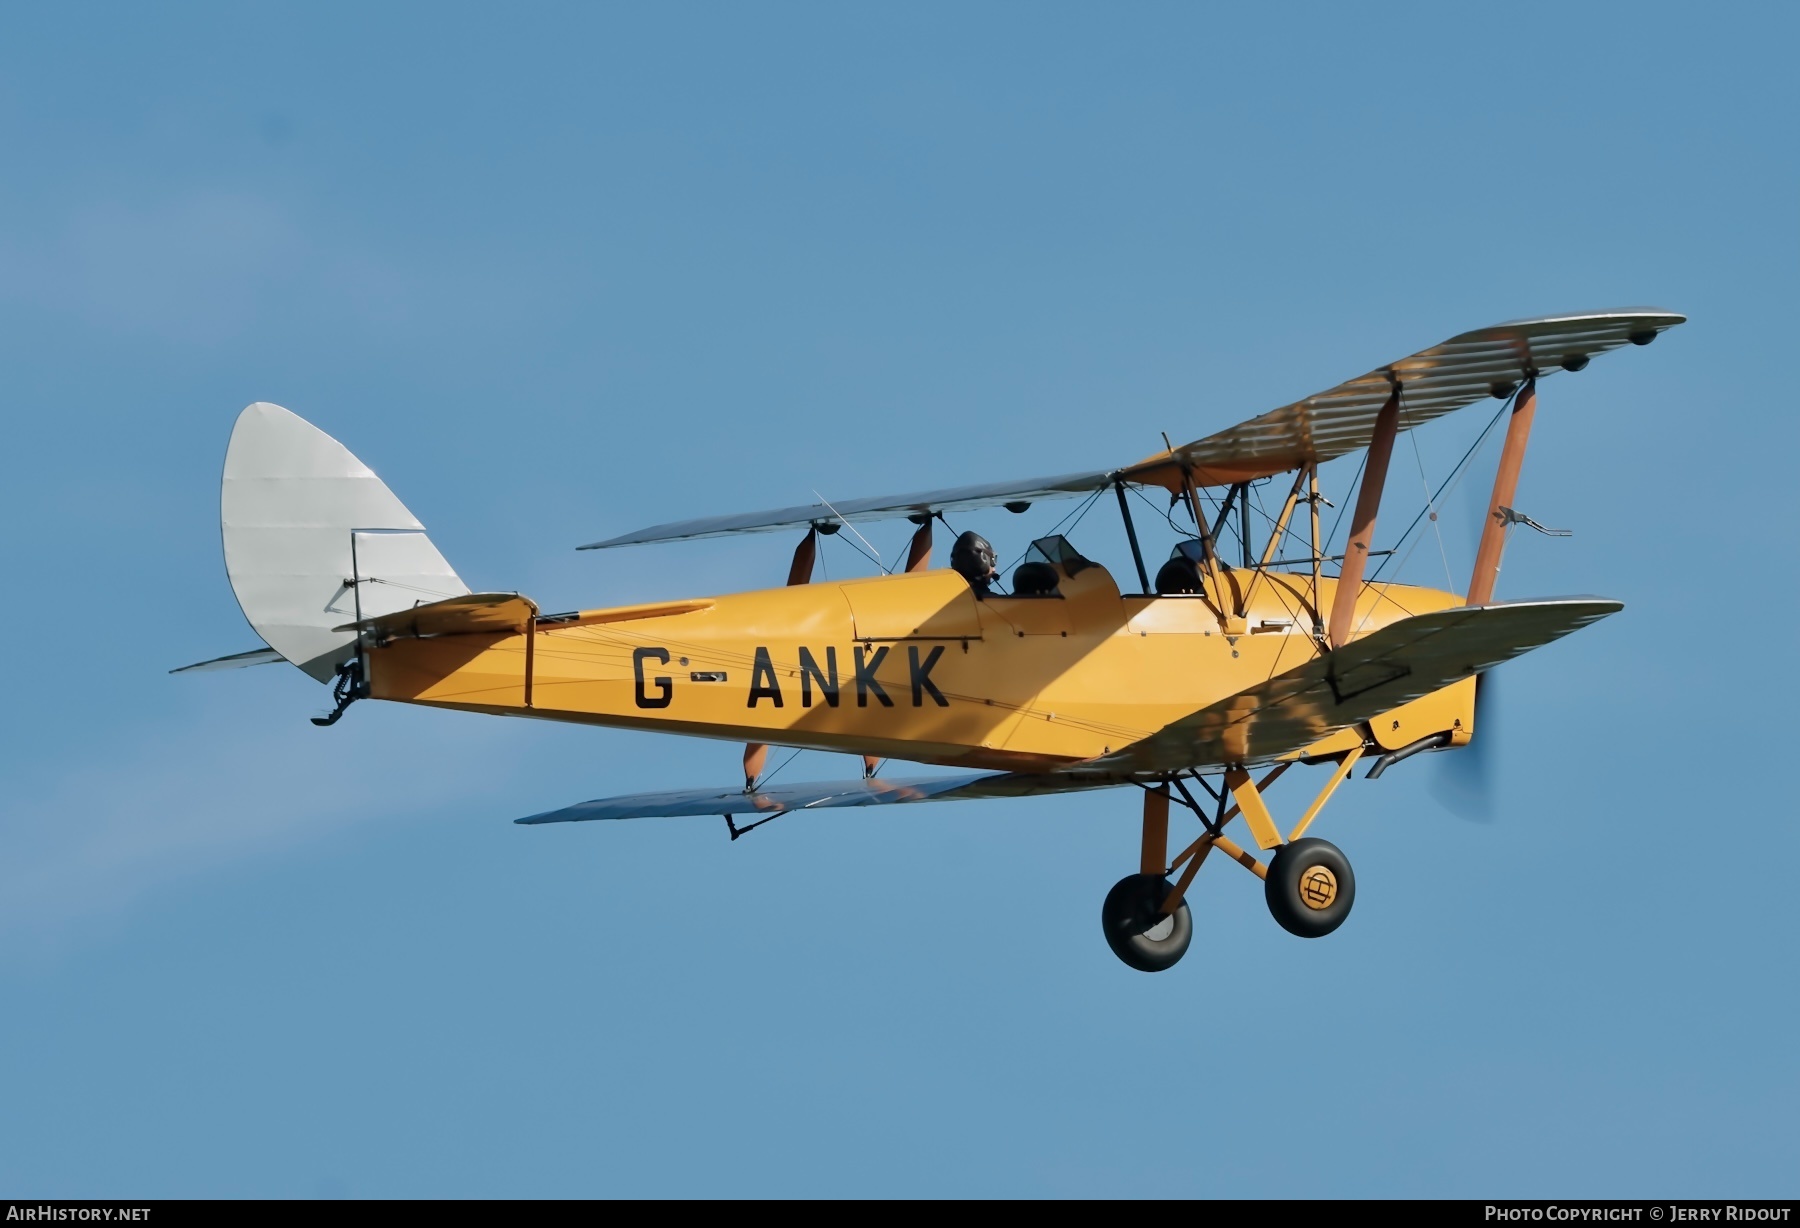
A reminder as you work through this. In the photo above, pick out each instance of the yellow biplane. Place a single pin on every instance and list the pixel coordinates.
(1200, 687)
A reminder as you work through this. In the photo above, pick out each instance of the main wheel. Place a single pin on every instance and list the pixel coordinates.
(1310, 887)
(1135, 928)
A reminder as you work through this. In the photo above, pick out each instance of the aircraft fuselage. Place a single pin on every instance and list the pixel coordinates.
(913, 666)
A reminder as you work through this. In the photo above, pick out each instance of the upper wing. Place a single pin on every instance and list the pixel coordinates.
(1433, 382)
(819, 796)
(1454, 373)
(956, 498)
(1399, 663)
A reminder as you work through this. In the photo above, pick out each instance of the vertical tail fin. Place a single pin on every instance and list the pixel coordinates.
(314, 540)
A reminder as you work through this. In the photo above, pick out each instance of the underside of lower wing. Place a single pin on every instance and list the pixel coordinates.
(825, 795)
(1395, 665)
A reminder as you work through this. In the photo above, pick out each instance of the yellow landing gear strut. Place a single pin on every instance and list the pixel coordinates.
(1308, 883)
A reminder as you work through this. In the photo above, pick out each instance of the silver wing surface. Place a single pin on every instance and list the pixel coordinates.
(829, 795)
(1465, 369)
(960, 498)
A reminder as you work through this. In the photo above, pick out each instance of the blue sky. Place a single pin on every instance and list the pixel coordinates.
(559, 273)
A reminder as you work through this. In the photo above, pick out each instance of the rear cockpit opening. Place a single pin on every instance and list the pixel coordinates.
(1048, 562)
(1180, 576)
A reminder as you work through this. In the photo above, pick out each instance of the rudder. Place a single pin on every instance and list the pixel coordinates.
(314, 540)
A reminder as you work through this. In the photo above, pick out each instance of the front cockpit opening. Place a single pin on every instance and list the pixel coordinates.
(1048, 562)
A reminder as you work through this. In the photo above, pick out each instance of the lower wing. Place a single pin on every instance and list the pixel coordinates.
(828, 795)
(1401, 662)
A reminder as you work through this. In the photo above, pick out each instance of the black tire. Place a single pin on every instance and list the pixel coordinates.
(1136, 930)
(1310, 888)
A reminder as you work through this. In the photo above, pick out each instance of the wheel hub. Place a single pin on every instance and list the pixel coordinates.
(1318, 888)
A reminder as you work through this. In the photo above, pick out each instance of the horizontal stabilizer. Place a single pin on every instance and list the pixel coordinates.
(1397, 664)
(237, 660)
(470, 614)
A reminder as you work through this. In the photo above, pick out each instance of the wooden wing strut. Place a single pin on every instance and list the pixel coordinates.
(756, 754)
(1506, 486)
(1362, 525)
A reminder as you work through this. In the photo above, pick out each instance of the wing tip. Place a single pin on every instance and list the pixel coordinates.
(1612, 604)
(1663, 317)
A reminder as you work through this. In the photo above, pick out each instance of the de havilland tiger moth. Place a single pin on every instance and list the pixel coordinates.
(1199, 687)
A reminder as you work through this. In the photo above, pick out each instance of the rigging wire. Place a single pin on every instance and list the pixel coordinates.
(875, 559)
(1432, 500)
(1345, 505)
(876, 554)
(1190, 534)
(1288, 530)
(1449, 483)
(1080, 511)
(1430, 504)
(771, 776)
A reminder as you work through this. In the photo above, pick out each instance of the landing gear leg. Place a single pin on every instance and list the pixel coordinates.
(1307, 884)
